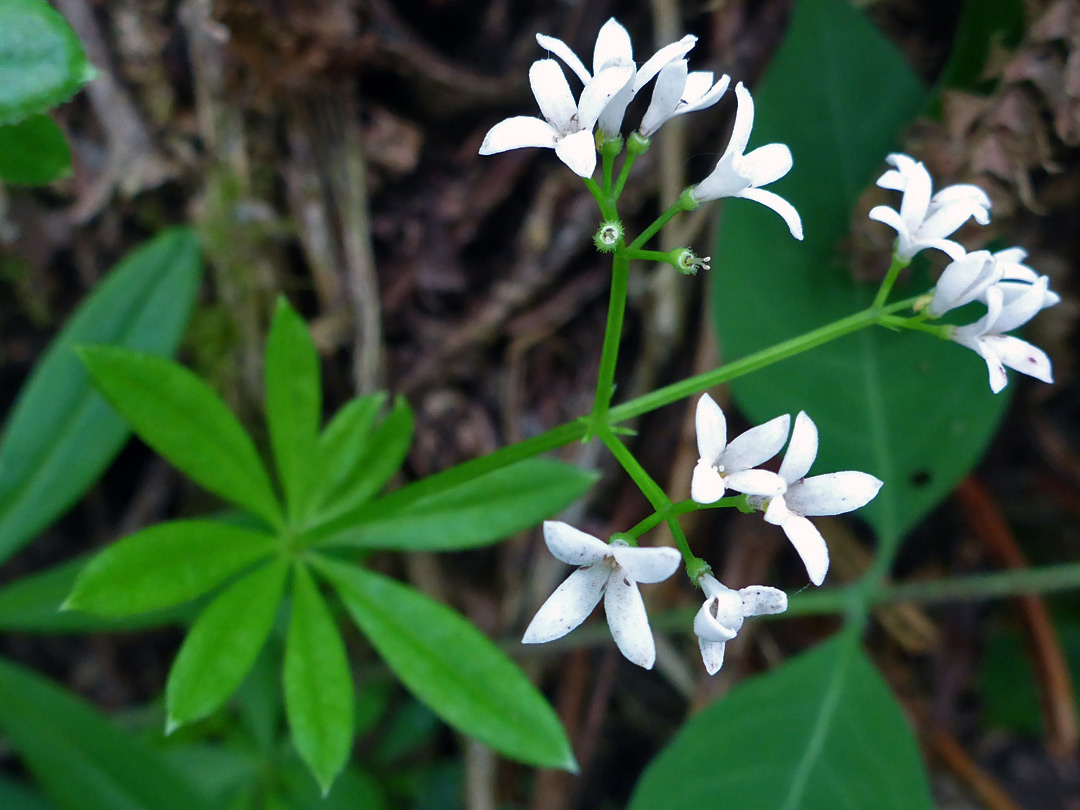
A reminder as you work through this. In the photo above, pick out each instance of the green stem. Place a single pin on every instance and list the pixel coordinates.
(916, 324)
(605, 203)
(624, 173)
(890, 279)
(676, 509)
(661, 221)
(649, 488)
(650, 255)
(608, 163)
(609, 355)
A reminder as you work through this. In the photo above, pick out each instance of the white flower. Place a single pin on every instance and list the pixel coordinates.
(1017, 277)
(739, 175)
(613, 45)
(567, 126)
(831, 494)
(987, 335)
(722, 465)
(612, 571)
(923, 220)
(965, 280)
(722, 614)
(677, 92)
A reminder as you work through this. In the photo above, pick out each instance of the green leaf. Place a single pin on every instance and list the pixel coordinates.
(357, 462)
(61, 433)
(821, 732)
(222, 645)
(911, 409)
(354, 790)
(41, 60)
(452, 668)
(983, 23)
(33, 152)
(293, 403)
(31, 604)
(472, 514)
(81, 760)
(19, 797)
(318, 685)
(166, 565)
(181, 417)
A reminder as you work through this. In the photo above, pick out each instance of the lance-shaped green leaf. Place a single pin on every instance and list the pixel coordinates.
(910, 409)
(472, 514)
(41, 60)
(81, 760)
(293, 403)
(181, 417)
(452, 668)
(357, 462)
(222, 645)
(317, 682)
(33, 152)
(820, 733)
(166, 565)
(61, 433)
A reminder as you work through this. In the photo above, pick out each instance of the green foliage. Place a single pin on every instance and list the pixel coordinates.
(222, 645)
(81, 760)
(182, 418)
(318, 685)
(904, 407)
(61, 434)
(808, 735)
(468, 515)
(33, 152)
(14, 795)
(450, 666)
(293, 403)
(166, 565)
(41, 60)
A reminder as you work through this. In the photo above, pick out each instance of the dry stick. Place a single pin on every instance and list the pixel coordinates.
(1056, 695)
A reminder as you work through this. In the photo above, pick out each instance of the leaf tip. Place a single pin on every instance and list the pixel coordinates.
(171, 725)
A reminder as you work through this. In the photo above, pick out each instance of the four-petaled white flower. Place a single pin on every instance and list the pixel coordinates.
(730, 466)
(567, 126)
(742, 175)
(608, 570)
(965, 280)
(924, 221)
(987, 335)
(830, 494)
(722, 614)
(613, 46)
(677, 92)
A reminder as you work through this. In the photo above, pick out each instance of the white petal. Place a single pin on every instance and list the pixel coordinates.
(1022, 356)
(892, 180)
(578, 151)
(972, 196)
(518, 132)
(563, 51)
(569, 606)
(756, 482)
(761, 600)
(888, 216)
(665, 97)
(777, 511)
(610, 120)
(802, 449)
(628, 622)
(600, 91)
(711, 429)
(810, 545)
(647, 564)
(779, 205)
(655, 63)
(694, 101)
(996, 369)
(832, 494)
(553, 94)
(722, 181)
(766, 164)
(712, 655)
(1022, 309)
(948, 219)
(744, 121)
(916, 199)
(706, 485)
(613, 42)
(1014, 256)
(756, 445)
(719, 617)
(964, 280)
(573, 546)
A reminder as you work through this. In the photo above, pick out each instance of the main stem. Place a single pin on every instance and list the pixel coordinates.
(609, 356)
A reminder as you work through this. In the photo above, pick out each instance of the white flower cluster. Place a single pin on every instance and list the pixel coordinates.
(1012, 292)
(612, 570)
(573, 126)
